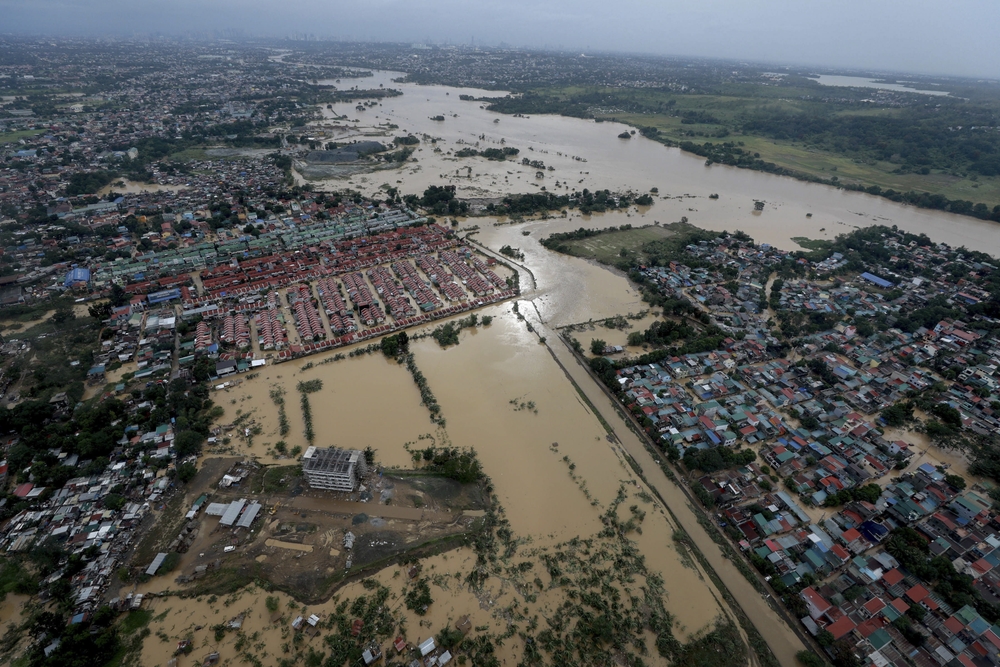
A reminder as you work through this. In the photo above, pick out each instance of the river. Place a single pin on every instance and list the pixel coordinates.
(864, 82)
(638, 164)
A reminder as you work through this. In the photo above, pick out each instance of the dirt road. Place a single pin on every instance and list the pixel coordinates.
(331, 506)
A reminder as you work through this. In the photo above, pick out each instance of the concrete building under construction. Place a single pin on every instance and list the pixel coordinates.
(334, 469)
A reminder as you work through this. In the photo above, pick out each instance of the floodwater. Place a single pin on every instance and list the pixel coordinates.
(863, 82)
(365, 401)
(636, 164)
(554, 471)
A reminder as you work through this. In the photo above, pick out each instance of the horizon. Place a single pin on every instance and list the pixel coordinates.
(915, 37)
(248, 39)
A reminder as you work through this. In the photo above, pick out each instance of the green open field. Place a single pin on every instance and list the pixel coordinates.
(606, 248)
(188, 155)
(11, 137)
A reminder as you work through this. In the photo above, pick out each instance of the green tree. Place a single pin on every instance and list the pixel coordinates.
(186, 472)
(187, 443)
(63, 315)
(118, 296)
(390, 346)
(100, 311)
(597, 346)
(956, 481)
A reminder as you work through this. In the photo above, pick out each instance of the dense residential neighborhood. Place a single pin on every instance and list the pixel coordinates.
(794, 432)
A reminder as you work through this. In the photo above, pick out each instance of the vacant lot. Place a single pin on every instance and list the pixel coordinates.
(607, 248)
(298, 544)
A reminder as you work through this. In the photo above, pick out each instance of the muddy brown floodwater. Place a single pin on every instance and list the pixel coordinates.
(554, 470)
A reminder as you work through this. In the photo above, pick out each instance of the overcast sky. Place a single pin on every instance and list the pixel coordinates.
(932, 36)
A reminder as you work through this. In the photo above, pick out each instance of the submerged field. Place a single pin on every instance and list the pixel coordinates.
(568, 512)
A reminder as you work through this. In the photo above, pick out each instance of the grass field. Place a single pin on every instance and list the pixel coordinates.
(188, 155)
(606, 248)
(11, 137)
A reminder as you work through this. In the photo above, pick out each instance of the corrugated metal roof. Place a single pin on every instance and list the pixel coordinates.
(233, 511)
(248, 516)
(155, 565)
(216, 509)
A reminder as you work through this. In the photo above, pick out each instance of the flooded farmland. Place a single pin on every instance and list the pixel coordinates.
(365, 401)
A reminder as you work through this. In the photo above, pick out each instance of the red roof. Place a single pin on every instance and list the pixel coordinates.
(982, 566)
(843, 626)
(840, 552)
(851, 535)
(954, 625)
(899, 604)
(870, 626)
(23, 489)
(892, 577)
(817, 601)
(874, 606)
(992, 638)
(917, 593)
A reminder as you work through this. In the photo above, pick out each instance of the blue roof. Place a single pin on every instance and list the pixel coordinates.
(872, 278)
(77, 276)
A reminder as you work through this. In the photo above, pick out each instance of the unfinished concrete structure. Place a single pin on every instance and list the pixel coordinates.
(334, 469)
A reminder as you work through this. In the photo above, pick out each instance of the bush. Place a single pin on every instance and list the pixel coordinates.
(186, 472)
(172, 560)
(310, 386)
(810, 659)
(717, 458)
(419, 598)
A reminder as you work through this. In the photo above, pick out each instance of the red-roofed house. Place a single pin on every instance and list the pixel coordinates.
(965, 660)
(954, 625)
(992, 638)
(867, 628)
(872, 607)
(854, 541)
(815, 602)
(899, 604)
(917, 594)
(843, 626)
(980, 567)
(23, 489)
(892, 577)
